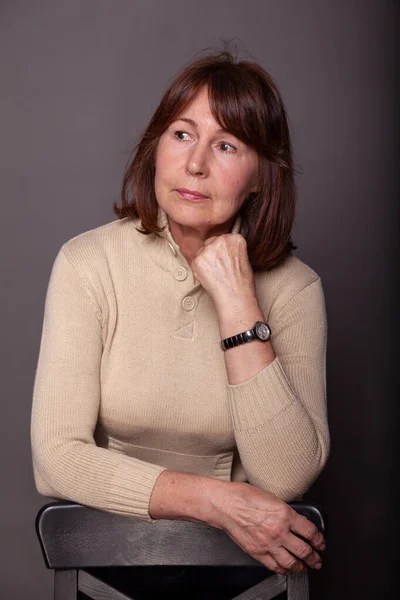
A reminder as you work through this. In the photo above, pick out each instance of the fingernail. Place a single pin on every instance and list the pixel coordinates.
(318, 565)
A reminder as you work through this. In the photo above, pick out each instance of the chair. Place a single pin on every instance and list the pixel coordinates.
(98, 555)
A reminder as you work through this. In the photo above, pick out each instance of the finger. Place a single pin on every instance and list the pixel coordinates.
(302, 550)
(302, 526)
(268, 561)
(287, 561)
(210, 240)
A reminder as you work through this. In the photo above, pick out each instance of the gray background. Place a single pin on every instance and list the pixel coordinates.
(79, 81)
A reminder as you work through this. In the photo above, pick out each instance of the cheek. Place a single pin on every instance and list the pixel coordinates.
(167, 158)
(160, 161)
(236, 182)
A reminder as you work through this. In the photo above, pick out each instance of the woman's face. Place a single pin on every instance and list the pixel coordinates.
(203, 173)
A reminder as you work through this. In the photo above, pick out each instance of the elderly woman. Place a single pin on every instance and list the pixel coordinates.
(181, 372)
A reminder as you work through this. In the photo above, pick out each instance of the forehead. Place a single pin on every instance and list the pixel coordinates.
(199, 104)
(198, 111)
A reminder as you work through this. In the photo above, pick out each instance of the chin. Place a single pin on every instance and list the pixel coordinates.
(197, 222)
(198, 215)
(190, 214)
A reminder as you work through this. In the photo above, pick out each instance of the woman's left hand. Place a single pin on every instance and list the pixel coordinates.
(223, 268)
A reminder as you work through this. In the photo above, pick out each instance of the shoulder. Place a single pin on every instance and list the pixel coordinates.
(98, 247)
(100, 240)
(289, 280)
(94, 254)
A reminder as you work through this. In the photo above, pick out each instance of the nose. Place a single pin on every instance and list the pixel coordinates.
(197, 161)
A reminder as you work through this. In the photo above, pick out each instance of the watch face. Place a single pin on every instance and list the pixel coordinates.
(262, 331)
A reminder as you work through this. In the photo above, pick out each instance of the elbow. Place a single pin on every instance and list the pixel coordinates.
(59, 462)
(307, 465)
(293, 474)
(55, 469)
(307, 472)
(309, 468)
(45, 480)
(323, 451)
(44, 488)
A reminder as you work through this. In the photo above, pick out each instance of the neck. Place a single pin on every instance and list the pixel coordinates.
(191, 240)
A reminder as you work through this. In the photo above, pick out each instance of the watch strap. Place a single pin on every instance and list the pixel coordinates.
(238, 339)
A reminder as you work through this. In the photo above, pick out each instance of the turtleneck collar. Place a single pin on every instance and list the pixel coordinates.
(162, 221)
(164, 250)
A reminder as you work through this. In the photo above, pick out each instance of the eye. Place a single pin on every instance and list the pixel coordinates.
(227, 148)
(180, 135)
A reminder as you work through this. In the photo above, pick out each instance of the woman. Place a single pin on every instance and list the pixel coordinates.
(139, 408)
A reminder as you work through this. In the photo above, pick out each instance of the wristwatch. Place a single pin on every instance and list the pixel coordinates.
(261, 331)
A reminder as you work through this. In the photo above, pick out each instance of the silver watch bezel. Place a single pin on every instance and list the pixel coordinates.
(259, 330)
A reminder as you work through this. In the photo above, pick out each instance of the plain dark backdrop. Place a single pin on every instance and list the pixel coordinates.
(78, 82)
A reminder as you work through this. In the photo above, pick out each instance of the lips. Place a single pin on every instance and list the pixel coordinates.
(190, 194)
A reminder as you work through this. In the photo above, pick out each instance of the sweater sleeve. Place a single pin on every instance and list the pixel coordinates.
(280, 414)
(67, 463)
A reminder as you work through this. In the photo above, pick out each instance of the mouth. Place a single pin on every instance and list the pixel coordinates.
(190, 194)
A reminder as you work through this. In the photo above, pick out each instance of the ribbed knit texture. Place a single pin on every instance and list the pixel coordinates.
(131, 379)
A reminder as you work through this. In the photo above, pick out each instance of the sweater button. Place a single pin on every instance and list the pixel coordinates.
(188, 303)
(180, 273)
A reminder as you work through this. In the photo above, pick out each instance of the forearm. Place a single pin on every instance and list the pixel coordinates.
(245, 361)
(251, 517)
(279, 416)
(189, 497)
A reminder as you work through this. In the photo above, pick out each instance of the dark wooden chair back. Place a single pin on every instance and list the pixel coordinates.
(84, 545)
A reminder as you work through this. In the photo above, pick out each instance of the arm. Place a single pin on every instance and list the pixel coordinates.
(67, 463)
(276, 389)
(260, 523)
(280, 412)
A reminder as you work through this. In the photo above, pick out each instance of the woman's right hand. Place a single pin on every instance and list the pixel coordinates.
(264, 526)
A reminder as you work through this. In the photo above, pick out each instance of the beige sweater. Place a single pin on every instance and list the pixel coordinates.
(131, 379)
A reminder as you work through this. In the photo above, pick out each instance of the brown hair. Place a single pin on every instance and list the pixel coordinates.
(245, 101)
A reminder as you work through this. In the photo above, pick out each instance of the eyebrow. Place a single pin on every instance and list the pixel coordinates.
(194, 124)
